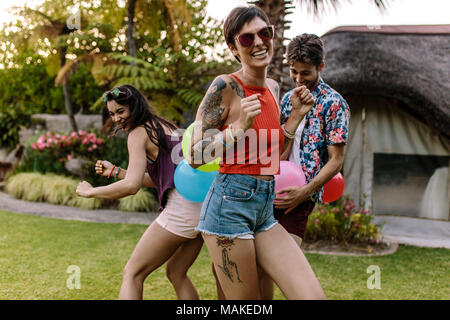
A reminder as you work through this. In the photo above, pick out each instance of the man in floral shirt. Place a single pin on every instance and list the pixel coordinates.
(318, 143)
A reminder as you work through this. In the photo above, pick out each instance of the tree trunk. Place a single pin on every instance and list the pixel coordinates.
(130, 28)
(67, 99)
(277, 10)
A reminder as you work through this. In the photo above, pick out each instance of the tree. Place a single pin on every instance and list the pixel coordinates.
(130, 28)
(53, 28)
(277, 11)
(174, 71)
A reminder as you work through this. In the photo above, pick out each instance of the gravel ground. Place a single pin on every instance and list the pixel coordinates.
(8, 203)
(404, 230)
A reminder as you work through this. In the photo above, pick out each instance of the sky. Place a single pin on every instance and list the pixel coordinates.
(350, 12)
(355, 12)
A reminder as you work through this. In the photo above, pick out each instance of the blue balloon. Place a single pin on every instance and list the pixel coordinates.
(192, 184)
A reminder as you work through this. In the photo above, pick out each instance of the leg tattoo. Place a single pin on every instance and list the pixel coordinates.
(226, 244)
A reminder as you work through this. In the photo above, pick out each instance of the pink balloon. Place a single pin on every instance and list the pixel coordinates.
(291, 175)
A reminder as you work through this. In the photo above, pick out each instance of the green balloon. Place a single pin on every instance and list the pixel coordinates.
(186, 148)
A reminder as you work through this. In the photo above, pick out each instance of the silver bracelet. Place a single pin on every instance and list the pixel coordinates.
(286, 133)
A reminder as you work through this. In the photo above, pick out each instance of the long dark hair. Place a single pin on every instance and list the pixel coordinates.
(141, 114)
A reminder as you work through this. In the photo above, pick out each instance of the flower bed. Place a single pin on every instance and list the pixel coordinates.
(343, 223)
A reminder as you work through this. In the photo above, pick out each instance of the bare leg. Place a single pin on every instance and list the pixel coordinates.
(265, 282)
(235, 264)
(279, 255)
(179, 264)
(220, 294)
(154, 248)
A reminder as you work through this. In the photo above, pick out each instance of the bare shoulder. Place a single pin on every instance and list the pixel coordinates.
(274, 87)
(137, 136)
(236, 87)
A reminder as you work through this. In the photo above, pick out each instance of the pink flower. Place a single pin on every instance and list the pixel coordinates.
(90, 149)
(94, 146)
(69, 157)
(82, 132)
(85, 141)
(33, 146)
(99, 141)
(73, 135)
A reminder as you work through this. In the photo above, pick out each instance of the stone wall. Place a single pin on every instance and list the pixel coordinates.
(60, 122)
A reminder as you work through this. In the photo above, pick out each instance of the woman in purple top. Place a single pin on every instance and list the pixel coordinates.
(172, 236)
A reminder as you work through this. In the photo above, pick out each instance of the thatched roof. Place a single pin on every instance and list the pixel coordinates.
(409, 63)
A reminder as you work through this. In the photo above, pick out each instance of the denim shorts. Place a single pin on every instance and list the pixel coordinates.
(238, 206)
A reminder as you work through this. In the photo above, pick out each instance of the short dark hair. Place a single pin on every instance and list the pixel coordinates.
(305, 48)
(237, 18)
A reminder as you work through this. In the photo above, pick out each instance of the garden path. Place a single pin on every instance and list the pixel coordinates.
(403, 230)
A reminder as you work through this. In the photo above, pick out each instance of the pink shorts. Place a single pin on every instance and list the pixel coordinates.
(180, 216)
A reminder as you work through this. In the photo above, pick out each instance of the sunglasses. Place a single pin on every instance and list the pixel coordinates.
(114, 94)
(247, 39)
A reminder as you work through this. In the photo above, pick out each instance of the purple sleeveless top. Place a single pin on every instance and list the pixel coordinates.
(162, 170)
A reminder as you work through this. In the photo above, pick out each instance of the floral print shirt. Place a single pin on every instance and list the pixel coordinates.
(325, 124)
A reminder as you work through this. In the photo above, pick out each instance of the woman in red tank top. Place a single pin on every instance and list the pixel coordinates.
(238, 120)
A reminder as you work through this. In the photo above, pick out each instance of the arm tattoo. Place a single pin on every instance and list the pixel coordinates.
(226, 245)
(237, 88)
(211, 107)
(212, 112)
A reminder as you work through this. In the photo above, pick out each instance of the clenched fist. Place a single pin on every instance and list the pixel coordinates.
(302, 100)
(103, 167)
(250, 108)
(84, 188)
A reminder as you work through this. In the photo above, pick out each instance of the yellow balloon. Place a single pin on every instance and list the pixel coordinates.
(186, 141)
(186, 148)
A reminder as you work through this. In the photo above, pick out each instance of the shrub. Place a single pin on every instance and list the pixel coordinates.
(49, 188)
(26, 186)
(143, 201)
(86, 203)
(342, 223)
(59, 190)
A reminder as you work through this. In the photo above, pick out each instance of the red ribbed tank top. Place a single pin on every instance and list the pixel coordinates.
(256, 154)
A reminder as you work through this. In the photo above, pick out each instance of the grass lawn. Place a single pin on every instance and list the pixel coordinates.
(35, 253)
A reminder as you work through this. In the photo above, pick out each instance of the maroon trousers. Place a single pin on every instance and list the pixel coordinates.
(295, 221)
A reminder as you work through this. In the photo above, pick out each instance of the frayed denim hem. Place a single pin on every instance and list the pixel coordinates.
(230, 236)
(268, 228)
